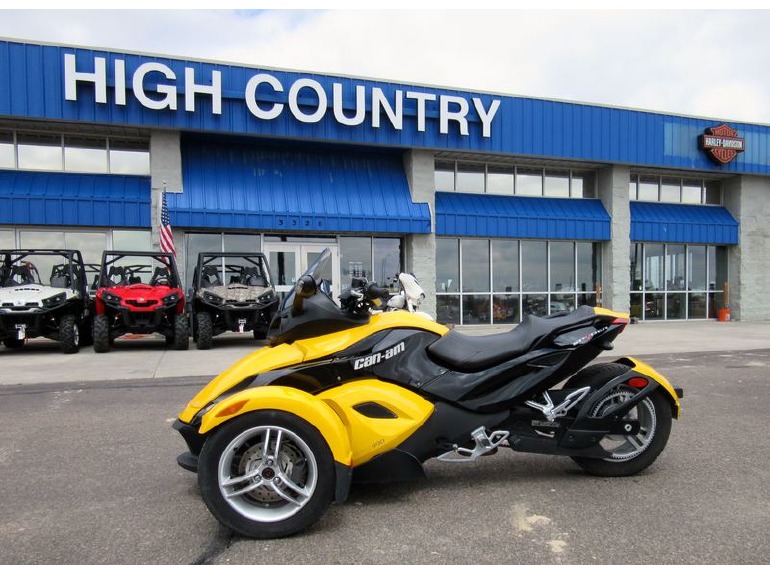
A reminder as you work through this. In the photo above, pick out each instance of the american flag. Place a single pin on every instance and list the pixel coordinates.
(166, 235)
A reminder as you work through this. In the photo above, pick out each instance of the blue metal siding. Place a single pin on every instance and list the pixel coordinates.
(31, 86)
(674, 223)
(244, 186)
(532, 217)
(37, 198)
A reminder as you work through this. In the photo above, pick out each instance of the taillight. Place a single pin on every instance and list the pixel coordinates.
(638, 382)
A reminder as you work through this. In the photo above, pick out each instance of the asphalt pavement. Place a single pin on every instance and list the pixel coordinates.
(146, 357)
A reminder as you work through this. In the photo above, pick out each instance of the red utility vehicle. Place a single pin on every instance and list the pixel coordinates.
(139, 292)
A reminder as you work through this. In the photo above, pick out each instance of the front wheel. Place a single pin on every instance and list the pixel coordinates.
(101, 334)
(181, 338)
(69, 335)
(628, 454)
(266, 474)
(14, 343)
(205, 330)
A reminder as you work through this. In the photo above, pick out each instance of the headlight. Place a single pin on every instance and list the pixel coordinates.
(111, 298)
(55, 300)
(266, 298)
(213, 299)
(171, 299)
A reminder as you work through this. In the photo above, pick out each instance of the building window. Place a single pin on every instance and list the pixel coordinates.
(76, 153)
(444, 174)
(39, 151)
(483, 281)
(674, 190)
(470, 178)
(85, 154)
(7, 153)
(677, 281)
(494, 179)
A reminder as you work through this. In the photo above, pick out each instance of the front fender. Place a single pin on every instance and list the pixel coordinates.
(646, 370)
(264, 359)
(302, 404)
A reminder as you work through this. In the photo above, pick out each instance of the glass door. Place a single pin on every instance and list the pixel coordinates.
(288, 260)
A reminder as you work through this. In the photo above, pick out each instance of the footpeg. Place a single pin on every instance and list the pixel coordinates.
(551, 411)
(485, 444)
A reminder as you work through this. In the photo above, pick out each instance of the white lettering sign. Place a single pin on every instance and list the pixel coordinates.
(155, 86)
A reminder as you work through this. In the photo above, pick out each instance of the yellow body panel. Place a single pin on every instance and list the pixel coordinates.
(610, 313)
(644, 369)
(280, 356)
(372, 436)
(265, 359)
(304, 405)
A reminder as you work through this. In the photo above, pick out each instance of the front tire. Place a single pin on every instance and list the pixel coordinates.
(181, 341)
(266, 474)
(205, 330)
(629, 454)
(14, 343)
(101, 330)
(69, 335)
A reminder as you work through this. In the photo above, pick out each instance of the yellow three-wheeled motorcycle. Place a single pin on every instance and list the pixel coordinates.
(342, 395)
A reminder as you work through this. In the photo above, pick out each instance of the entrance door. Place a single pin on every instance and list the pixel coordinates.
(289, 260)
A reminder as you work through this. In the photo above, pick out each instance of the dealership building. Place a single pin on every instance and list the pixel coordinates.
(500, 205)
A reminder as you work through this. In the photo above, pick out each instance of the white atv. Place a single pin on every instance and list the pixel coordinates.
(43, 293)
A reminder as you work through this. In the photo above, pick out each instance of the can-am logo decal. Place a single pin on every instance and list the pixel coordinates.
(721, 143)
(372, 360)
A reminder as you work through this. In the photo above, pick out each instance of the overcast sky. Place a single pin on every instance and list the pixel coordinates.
(709, 63)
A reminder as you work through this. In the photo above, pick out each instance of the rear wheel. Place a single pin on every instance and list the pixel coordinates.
(69, 334)
(205, 330)
(101, 331)
(266, 474)
(629, 454)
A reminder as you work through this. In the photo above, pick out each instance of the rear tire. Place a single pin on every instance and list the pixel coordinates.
(268, 492)
(101, 331)
(181, 333)
(205, 330)
(69, 334)
(629, 454)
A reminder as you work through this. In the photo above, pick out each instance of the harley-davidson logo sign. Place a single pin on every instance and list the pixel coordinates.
(721, 143)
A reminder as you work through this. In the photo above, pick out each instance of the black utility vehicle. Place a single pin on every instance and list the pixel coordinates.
(43, 293)
(231, 292)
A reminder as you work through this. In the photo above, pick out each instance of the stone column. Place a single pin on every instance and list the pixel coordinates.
(746, 198)
(165, 169)
(420, 249)
(616, 266)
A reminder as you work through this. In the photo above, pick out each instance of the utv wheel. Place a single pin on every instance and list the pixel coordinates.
(260, 333)
(69, 334)
(629, 454)
(101, 331)
(266, 474)
(14, 343)
(181, 333)
(205, 330)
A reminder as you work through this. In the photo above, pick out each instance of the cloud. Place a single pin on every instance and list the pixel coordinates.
(690, 62)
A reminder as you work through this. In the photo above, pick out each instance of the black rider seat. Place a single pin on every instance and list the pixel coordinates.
(472, 353)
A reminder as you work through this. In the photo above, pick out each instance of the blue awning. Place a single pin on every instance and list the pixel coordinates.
(294, 189)
(44, 198)
(677, 223)
(507, 216)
